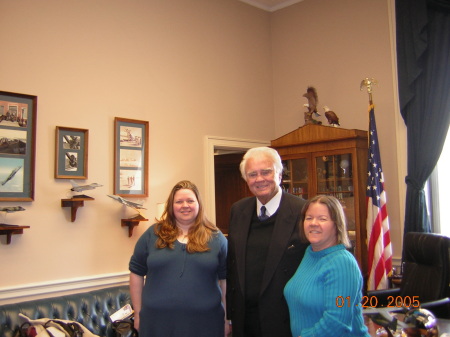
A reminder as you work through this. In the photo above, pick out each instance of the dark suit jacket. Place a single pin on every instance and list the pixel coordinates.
(284, 256)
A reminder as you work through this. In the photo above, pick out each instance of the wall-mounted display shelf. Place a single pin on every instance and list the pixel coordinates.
(132, 222)
(9, 230)
(74, 203)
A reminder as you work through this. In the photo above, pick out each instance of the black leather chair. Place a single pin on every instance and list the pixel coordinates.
(426, 275)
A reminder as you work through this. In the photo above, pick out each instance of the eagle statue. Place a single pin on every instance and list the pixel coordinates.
(331, 116)
(311, 96)
(313, 100)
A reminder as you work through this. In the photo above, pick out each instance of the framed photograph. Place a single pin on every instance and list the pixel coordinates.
(71, 159)
(17, 146)
(130, 157)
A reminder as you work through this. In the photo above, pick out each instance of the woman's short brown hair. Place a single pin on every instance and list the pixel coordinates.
(336, 213)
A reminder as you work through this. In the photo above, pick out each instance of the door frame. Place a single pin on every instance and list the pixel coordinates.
(212, 145)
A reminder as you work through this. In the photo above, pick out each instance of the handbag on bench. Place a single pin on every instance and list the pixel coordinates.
(125, 328)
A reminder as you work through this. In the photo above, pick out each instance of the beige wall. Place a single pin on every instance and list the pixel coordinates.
(191, 68)
(333, 45)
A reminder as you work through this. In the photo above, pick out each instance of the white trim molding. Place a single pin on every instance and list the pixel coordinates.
(32, 291)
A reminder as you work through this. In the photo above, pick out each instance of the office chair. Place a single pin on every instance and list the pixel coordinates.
(426, 275)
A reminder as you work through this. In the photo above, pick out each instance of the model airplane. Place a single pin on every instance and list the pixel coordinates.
(383, 317)
(128, 203)
(11, 209)
(11, 175)
(81, 188)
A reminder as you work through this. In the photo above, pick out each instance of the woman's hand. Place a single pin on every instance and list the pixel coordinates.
(136, 286)
(228, 328)
(136, 322)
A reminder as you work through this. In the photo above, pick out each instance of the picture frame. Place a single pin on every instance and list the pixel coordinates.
(18, 117)
(71, 153)
(131, 157)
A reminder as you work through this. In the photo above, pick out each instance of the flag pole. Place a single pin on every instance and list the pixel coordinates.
(368, 83)
(377, 223)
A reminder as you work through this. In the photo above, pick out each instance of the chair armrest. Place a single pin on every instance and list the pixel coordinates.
(431, 304)
(384, 292)
(440, 308)
(382, 296)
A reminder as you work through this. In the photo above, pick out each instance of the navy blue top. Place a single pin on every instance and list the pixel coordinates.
(181, 295)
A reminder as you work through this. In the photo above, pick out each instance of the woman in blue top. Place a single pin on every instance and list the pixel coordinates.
(324, 295)
(178, 272)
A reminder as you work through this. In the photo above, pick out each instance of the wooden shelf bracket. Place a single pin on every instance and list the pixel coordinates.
(74, 204)
(131, 223)
(9, 230)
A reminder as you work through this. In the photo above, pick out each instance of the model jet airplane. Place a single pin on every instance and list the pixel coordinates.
(11, 175)
(80, 188)
(11, 209)
(126, 202)
(383, 317)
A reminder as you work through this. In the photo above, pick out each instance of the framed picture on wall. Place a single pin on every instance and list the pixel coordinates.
(71, 157)
(130, 157)
(17, 146)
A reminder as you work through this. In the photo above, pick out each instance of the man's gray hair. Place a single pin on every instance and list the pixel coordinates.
(262, 151)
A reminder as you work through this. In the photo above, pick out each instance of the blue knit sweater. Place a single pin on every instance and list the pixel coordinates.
(324, 295)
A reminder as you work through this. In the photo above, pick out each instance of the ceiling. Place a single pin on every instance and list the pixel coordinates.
(271, 5)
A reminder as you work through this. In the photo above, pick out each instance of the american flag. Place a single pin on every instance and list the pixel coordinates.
(380, 250)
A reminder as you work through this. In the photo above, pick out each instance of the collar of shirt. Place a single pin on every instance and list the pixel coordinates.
(272, 205)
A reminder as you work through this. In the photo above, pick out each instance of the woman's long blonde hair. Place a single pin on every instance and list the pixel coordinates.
(199, 234)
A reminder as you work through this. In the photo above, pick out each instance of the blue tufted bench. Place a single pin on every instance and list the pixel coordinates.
(92, 309)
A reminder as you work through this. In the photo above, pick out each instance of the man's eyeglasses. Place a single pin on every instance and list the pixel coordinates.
(263, 173)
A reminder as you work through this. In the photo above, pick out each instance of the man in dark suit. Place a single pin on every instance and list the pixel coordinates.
(264, 249)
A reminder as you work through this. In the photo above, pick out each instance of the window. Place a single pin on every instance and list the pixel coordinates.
(438, 189)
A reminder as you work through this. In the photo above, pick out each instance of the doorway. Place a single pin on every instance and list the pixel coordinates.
(227, 186)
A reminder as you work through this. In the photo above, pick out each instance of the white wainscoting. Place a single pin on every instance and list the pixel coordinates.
(32, 291)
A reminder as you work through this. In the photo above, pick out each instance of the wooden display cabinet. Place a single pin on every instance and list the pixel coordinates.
(320, 159)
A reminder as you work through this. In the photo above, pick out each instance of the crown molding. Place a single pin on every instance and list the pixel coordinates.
(271, 6)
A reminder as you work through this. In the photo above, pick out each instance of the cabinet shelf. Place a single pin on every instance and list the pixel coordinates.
(331, 191)
(331, 179)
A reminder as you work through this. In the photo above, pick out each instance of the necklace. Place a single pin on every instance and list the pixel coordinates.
(183, 234)
(183, 238)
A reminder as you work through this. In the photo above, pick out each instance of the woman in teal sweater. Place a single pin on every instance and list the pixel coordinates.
(324, 295)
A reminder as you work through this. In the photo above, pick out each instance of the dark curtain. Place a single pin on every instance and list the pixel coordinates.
(423, 60)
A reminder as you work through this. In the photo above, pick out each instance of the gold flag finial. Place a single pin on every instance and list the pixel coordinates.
(368, 83)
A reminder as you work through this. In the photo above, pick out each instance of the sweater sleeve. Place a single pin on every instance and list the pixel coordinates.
(138, 261)
(222, 268)
(342, 293)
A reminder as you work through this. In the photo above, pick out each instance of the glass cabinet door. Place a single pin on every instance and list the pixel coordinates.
(295, 177)
(335, 177)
